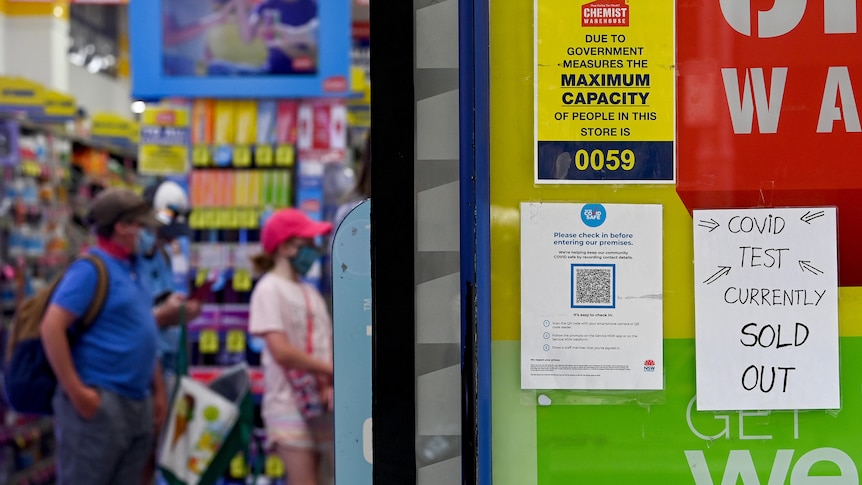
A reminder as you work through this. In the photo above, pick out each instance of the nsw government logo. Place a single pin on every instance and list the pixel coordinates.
(605, 13)
(649, 365)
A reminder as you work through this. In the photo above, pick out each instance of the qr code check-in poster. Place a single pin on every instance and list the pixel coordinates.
(591, 296)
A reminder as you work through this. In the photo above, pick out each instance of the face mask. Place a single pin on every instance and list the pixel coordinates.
(146, 241)
(304, 259)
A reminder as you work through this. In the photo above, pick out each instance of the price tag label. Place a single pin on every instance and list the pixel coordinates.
(274, 467)
(223, 219)
(241, 280)
(237, 466)
(241, 218)
(231, 219)
(201, 156)
(196, 219)
(31, 168)
(242, 156)
(234, 219)
(252, 219)
(208, 343)
(236, 341)
(264, 156)
(284, 156)
(210, 220)
(201, 277)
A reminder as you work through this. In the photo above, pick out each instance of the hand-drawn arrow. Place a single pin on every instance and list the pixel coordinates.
(711, 224)
(722, 271)
(809, 216)
(806, 266)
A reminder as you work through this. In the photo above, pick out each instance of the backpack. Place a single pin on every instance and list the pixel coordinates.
(29, 380)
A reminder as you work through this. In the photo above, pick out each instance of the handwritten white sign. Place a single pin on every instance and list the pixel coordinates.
(766, 309)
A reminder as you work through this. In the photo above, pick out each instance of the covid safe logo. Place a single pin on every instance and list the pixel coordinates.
(593, 215)
(605, 13)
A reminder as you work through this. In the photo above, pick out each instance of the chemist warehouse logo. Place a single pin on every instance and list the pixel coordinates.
(649, 365)
(605, 13)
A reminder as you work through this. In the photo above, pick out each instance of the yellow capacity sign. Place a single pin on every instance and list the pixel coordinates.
(165, 140)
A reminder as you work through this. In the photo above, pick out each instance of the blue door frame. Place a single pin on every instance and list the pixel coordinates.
(475, 240)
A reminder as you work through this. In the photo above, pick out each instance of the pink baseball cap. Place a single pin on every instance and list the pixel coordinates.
(288, 223)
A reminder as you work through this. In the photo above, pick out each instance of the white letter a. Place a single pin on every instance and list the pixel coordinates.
(838, 84)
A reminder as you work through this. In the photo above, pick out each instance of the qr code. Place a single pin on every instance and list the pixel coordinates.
(593, 286)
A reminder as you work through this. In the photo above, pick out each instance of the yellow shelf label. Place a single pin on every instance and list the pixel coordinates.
(264, 156)
(210, 219)
(284, 156)
(196, 219)
(201, 156)
(237, 466)
(242, 156)
(208, 343)
(236, 341)
(241, 280)
(231, 219)
(201, 277)
(274, 467)
(252, 219)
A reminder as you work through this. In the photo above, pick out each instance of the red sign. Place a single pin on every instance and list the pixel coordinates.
(166, 117)
(605, 13)
(322, 130)
(767, 110)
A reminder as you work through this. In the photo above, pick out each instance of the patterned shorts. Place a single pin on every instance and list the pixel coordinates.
(289, 429)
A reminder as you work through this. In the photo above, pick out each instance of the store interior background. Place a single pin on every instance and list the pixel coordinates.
(81, 50)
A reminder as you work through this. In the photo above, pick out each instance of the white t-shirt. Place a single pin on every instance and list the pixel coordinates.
(279, 305)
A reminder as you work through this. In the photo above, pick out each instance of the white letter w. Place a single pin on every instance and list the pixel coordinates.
(742, 107)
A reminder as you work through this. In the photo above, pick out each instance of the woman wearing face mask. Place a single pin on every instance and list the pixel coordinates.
(293, 319)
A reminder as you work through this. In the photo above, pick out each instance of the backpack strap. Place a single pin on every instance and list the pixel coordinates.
(101, 294)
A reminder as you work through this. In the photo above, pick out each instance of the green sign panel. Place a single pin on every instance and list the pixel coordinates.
(671, 443)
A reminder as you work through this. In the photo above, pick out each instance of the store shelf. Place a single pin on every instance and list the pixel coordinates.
(43, 471)
(24, 434)
(61, 132)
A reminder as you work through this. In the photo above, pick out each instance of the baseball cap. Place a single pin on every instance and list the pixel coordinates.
(120, 205)
(171, 205)
(289, 223)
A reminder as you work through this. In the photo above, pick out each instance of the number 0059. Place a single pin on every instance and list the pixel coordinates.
(599, 160)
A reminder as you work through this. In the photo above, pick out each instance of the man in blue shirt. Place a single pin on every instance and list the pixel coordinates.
(108, 400)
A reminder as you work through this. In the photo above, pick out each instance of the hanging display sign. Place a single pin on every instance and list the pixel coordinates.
(766, 309)
(247, 48)
(322, 130)
(20, 95)
(165, 143)
(58, 107)
(591, 296)
(604, 83)
(114, 129)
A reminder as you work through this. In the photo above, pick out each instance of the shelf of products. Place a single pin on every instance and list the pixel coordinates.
(47, 177)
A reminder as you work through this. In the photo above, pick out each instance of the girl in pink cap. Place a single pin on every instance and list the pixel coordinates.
(294, 320)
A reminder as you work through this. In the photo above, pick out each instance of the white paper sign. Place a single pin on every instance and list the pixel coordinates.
(591, 296)
(766, 309)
